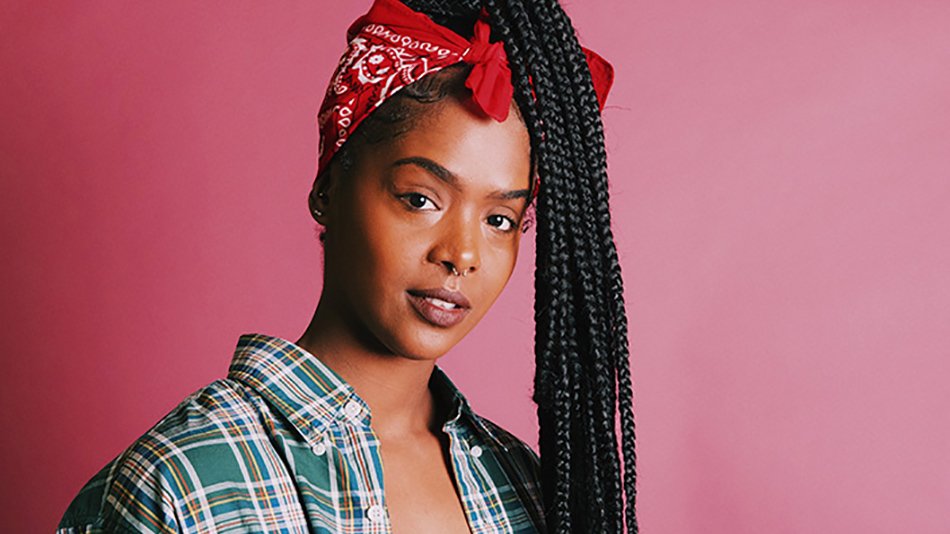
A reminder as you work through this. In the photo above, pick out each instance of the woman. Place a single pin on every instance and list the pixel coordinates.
(431, 152)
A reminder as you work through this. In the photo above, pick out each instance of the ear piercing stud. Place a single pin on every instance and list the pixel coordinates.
(322, 196)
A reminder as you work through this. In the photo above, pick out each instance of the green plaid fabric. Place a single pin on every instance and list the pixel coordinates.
(283, 444)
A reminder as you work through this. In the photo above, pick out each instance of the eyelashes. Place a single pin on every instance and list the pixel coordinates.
(509, 225)
(419, 202)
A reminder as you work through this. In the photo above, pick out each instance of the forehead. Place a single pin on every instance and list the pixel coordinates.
(481, 151)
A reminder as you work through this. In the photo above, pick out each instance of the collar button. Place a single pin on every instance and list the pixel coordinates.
(352, 409)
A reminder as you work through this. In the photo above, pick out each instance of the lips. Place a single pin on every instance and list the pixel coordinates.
(440, 307)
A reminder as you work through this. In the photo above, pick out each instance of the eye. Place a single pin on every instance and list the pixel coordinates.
(505, 224)
(418, 201)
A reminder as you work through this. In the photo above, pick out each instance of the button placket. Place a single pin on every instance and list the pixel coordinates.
(320, 448)
(375, 513)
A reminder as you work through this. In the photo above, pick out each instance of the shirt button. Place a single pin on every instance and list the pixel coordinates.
(476, 451)
(352, 408)
(319, 448)
(375, 513)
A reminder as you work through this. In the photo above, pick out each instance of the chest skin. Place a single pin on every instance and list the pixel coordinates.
(421, 495)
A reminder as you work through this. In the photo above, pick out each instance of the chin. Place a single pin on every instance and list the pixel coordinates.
(423, 345)
(422, 351)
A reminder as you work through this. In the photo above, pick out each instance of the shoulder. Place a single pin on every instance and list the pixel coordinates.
(522, 469)
(142, 488)
(518, 460)
(511, 444)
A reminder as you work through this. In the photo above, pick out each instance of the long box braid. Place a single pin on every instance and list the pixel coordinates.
(582, 376)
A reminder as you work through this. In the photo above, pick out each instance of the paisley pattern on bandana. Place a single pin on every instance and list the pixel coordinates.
(372, 70)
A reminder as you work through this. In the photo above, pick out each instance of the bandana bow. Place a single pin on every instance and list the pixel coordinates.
(392, 46)
(490, 78)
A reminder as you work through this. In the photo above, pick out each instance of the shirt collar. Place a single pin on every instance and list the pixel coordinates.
(442, 386)
(311, 395)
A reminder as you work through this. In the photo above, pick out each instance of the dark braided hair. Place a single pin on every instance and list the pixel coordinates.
(582, 366)
(582, 377)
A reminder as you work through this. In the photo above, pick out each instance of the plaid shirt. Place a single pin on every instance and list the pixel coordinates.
(285, 445)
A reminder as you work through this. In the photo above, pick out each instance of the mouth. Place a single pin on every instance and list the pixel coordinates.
(439, 307)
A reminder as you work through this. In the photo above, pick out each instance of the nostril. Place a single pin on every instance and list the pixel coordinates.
(451, 267)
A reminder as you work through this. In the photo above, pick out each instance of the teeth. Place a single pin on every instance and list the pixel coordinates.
(441, 303)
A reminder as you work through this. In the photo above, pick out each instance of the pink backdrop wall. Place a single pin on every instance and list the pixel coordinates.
(780, 186)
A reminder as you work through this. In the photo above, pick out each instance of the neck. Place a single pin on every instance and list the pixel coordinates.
(396, 388)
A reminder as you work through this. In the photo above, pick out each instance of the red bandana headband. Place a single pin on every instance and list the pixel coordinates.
(392, 46)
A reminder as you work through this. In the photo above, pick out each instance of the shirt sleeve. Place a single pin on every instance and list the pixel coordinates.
(127, 496)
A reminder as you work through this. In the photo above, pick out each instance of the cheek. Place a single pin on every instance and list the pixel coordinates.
(359, 252)
(389, 252)
(498, 269)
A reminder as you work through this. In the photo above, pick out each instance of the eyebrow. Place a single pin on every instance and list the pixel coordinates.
(450, 178)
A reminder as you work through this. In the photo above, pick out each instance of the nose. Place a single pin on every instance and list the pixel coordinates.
(456, 247)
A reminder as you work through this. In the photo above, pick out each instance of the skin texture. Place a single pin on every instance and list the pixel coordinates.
(450, 192)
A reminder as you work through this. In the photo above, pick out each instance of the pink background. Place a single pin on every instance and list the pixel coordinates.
(780, 188)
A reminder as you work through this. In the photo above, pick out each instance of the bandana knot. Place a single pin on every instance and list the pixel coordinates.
(490, 79)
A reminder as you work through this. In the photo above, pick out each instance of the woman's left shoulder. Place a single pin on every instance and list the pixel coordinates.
(510, 443)
(522, 468)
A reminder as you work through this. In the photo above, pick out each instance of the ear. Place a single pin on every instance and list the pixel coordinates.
(319, 198)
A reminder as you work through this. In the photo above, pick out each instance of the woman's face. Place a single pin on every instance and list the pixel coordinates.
(446, 197)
